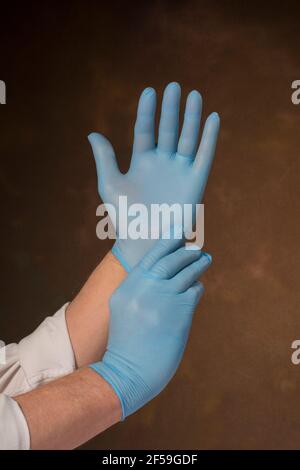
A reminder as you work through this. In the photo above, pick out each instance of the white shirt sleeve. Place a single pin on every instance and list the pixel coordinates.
(44, 355)
(14, 433)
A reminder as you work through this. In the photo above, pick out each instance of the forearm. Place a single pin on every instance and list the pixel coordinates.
(69, 411)
(88, 315)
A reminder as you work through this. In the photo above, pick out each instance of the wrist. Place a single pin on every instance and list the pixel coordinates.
(127, 384)
(88, 314)
(119, 257)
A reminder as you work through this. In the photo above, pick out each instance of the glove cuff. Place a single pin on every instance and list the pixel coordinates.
(118, 254)
(131, 390)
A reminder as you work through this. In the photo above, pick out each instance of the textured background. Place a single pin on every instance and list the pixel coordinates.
(80, 66)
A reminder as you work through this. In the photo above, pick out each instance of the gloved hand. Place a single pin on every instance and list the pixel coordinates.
(151, 315)
(171, 172)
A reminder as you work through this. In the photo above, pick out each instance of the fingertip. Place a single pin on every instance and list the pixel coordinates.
(200, 289)
(197, 291)
(207, 256)
(199, 286)
(147, 103)
(193, 104)
(173, 86)
(91, 137)
(149, 91)
(195, 96)
(214, 117)
(98, 140)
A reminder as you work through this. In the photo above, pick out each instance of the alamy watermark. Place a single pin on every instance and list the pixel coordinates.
(2, 92)
(296, 94)
(151, 221)
(295, 357)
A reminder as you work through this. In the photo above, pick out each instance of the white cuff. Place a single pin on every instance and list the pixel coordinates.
(47, 353)
(14, 433)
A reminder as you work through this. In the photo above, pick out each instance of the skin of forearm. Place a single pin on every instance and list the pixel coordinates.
(69, 411)
(87, 316)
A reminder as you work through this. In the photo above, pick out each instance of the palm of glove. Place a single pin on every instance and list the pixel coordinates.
(173, 172)
(166, 181)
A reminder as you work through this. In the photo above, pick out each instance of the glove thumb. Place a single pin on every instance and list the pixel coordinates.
(105, 158)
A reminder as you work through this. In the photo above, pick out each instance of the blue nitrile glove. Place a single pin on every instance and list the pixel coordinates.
(174, 171)
(150, 318)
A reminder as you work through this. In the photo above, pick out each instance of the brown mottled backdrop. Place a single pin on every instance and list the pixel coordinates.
(73, 67)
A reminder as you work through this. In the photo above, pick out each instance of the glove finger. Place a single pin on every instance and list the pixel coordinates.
(169, 120)
(171, 264)
(144, 129)
(194, 293)
(186, 278)
(190, 130)
(206, 151)
(106, 163)
(164, 246)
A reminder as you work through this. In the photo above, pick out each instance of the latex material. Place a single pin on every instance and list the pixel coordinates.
(151, 315)
(174, 171)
